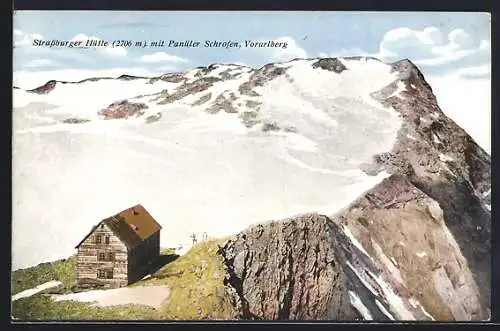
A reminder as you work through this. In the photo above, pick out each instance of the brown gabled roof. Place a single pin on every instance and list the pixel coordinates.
(131, 226)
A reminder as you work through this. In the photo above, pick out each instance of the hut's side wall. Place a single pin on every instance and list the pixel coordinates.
(143, 256)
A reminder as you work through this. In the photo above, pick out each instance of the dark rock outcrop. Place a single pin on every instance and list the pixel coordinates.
(130, 77)
(288, 270)
(223, 102)
(205, 70)
(202, 99)
(260, 77)
(123, 109)
(46, 88)
(250, 118)
(186, 89)
(73, 120)
(153, 118)
(270, 126)
(331, 64)
(171, 78)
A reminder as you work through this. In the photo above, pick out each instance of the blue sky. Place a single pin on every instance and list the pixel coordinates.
(442, 42)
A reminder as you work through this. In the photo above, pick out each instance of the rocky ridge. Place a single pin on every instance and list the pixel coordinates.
(389, 256)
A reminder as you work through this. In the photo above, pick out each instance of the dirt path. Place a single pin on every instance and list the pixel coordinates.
(153, 296)
(35, 290)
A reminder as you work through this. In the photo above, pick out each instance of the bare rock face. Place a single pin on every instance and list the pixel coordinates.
(388, 256)
(223, 102)
(130, 77)
(441, 159)
(331, 64)
(204, 98)
(205, 70)
(259, 78)
(172, 78)
(186, 89)
(123, 109)
(404, 231)
(288, 270)
(46, 88)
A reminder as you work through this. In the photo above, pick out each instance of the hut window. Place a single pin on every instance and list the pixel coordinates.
(101, 257)
(111, 256)
(98, 239)
(106, 240)
(105, 274)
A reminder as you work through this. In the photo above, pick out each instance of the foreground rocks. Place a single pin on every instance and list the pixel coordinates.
(388, 256)
(288, 270)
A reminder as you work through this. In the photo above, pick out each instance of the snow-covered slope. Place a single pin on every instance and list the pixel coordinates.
(195, 171)
(216, 150)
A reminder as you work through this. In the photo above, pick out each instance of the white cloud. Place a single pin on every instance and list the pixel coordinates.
(110, 50)
(168, 69)
(427, 47)
(240, 63)
(162, 57)
(430, 47)
(467, 102)
(485, 44)
(280, 54)
(23, 39)
(481, 71)
(405, 40)
(115, 51)
(293, 50)
(356, 51)
(36, 36)
(39, 63)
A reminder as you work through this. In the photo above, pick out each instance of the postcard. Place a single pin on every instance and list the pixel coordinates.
(284, 166)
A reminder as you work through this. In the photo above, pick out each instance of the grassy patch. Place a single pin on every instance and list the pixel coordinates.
(62, 270)
(196, 282)
(168, 251)
(42, 307)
